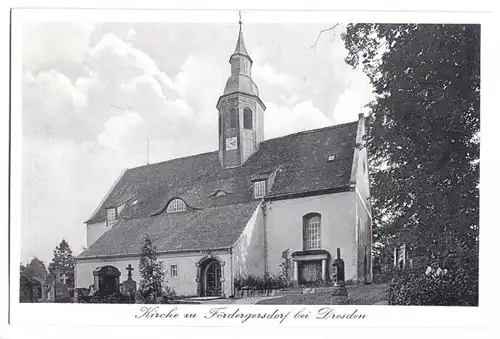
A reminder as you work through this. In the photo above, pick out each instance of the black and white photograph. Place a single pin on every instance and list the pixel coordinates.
(247, 162)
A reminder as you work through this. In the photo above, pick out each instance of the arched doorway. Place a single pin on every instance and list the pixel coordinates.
(210, 277)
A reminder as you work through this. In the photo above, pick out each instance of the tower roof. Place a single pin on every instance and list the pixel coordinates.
(240, 46)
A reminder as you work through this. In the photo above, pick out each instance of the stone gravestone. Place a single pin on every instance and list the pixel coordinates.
(61, 289)
(51, 292)
(129, 285)
(339, 293)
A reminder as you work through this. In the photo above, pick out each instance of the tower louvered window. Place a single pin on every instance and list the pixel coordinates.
(233, 118)
(247, 118)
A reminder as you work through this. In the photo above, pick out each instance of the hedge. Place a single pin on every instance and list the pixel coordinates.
(457, 286)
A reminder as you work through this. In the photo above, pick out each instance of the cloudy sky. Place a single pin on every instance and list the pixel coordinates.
(92, 91)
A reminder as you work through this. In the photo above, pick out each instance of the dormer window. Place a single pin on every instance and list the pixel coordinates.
(259, 189)
(219, 193)
(176, 205)
(111, 216)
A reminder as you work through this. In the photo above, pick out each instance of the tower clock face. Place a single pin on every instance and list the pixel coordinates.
(231, 143)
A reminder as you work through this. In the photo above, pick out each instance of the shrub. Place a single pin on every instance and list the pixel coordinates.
(268, 282)
(286, 266)
(457, 286)
(107, 299)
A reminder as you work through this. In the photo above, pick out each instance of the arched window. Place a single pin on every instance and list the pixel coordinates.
(176, 205)
(233, 118)
(312, 231)
(247, 118)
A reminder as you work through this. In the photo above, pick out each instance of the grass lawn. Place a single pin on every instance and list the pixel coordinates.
(357, 295)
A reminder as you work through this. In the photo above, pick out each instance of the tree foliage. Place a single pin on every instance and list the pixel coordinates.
(286, 266)
(35, 269)
(153, 287)
(63, 263)
(423, 133)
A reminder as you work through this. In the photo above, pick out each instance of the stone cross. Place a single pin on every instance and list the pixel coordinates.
(64, 277)
(129, 269)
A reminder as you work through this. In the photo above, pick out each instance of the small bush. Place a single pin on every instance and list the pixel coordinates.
(317, 283)
(435, 286)
(269, 282)
(106, 299)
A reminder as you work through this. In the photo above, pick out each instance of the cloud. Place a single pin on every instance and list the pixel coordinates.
(131, 35)
(121, 132)
(51, 104)
(267, 73)
(352, 101)
(282, 120)
(51, 45)
(118, 62)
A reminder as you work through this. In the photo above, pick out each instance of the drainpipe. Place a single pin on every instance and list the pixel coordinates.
(231, 280)
(264, 214)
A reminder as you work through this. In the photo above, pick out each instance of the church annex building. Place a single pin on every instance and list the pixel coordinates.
(232, 212)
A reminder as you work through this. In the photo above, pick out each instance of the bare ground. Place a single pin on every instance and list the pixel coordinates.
(357, 295)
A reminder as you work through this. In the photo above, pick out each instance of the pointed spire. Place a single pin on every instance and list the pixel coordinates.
(240, 44)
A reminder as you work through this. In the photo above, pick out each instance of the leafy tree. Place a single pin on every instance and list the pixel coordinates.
(423, 133)
(153, 287)
(286, 266)
(63, 262)
(35, 269)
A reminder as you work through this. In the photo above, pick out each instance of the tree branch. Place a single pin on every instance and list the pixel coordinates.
(321, 32)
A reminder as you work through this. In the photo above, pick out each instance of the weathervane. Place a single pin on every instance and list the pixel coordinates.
(239, 13)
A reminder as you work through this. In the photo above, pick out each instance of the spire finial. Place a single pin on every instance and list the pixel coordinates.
(239, 13)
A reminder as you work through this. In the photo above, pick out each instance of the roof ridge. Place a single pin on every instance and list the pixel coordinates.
(263, 141)
(313, 130)
(174, 159)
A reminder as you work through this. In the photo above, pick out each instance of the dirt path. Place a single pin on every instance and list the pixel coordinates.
(357, 295)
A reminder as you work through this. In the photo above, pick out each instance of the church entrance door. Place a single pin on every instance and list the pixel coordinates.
(212, 279)
(310, 271)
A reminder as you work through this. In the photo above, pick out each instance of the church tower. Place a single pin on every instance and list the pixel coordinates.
(241, 112)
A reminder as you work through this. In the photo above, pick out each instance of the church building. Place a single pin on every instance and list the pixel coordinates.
(232, 212)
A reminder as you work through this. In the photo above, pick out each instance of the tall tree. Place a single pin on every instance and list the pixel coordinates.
(63, 262)
(153, 282)
(423, 133)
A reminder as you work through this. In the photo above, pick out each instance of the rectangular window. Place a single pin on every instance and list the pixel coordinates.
(173, 270)
(111, 216)
(259, 189)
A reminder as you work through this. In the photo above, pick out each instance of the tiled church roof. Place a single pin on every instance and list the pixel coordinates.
(209, 228)
(302, 163)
